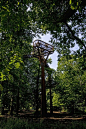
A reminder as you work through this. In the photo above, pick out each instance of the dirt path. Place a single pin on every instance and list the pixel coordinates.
(56, 116)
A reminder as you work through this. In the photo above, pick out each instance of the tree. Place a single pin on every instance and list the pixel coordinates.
(54, 16)
(71, 84)
(16, 34)
(33, 74)
(20, 21)
(66, 22)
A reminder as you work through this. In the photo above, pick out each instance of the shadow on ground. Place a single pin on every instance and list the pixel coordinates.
(56, 116)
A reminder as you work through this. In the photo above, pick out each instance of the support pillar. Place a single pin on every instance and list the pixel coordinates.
(43, 111)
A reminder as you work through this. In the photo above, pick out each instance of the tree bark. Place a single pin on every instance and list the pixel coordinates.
(17, 102)
(11, 106)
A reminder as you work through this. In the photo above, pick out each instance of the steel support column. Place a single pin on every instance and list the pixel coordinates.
(43, 99)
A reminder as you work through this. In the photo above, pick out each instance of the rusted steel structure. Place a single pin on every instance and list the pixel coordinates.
(42, 50)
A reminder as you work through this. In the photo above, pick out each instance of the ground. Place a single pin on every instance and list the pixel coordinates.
(59, 116)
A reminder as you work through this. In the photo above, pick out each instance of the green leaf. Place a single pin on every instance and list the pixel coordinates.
(1, 88)
(2, 77)
(17, 65)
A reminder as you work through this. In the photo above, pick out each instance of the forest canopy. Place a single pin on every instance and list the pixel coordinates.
(20, 23)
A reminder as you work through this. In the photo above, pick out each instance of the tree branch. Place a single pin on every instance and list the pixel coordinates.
(79, 40)
(69, 13)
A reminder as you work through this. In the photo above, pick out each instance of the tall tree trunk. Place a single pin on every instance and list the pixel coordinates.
(51, 110)
(37, 91)
(17, 101)
(11, 106)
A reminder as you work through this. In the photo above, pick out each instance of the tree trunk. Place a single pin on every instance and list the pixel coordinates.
(37, 91)
(51, 110)
(17, 102)
(2, 110)
(11, 106)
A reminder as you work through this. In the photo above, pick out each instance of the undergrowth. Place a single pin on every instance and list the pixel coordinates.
(15, 123)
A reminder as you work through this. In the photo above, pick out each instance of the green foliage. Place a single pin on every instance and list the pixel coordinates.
(19, 123)
(75, 4)
(20, 22)
(71, 84)
(24, 124)
(55, 16)
(15, 36)
(1, 88)
(55, 99)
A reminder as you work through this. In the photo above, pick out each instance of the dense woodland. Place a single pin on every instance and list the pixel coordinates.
(20, 78)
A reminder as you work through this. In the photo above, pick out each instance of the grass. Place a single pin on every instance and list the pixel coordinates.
(19, 124)
(27, 120)
(15, 123)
